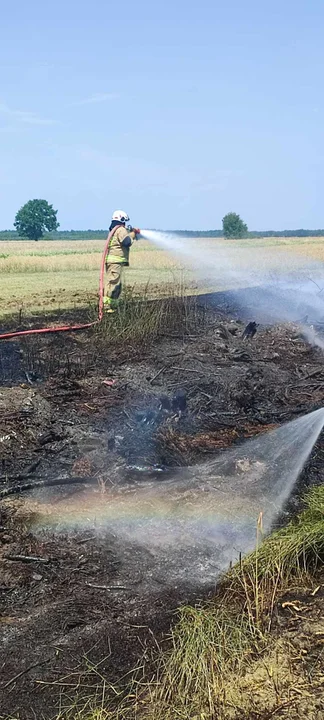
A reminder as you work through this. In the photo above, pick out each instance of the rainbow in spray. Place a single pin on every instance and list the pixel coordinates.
(209, 510)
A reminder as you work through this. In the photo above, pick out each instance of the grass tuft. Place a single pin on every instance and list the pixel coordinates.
(142, 319)
(213, 645)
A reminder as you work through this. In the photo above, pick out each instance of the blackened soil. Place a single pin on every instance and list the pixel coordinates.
(72, 405)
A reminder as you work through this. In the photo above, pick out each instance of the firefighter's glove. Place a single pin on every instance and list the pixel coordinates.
(133, 232)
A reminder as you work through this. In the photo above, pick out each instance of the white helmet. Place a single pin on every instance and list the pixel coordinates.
(120, 216)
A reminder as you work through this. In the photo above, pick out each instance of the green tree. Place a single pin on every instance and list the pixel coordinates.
(34, 218)
(233, 226)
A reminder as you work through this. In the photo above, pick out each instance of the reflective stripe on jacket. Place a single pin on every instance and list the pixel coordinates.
(117, 252)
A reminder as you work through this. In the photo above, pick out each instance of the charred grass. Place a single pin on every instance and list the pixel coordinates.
(255, 651)
(239, 656)
(138, 322)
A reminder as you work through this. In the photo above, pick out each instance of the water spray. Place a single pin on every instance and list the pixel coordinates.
(200, 518)
(276, 287)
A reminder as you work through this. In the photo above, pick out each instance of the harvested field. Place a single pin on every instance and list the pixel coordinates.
(62, 274)
(51, 275)
(87, 413)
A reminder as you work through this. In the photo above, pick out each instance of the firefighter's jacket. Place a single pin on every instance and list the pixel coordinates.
(119, 246)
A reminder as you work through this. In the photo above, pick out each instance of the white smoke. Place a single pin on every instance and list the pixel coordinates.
(274, 284)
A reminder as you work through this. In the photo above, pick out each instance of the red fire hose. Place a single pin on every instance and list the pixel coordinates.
(65, 328)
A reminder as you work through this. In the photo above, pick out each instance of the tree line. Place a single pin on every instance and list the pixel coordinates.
(37, 219)
(252, 233)
(59, 235)
(102, 234)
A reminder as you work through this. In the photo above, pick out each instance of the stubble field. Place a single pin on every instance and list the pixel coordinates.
(64, 274)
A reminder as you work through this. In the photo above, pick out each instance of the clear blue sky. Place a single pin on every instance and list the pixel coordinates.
(177, 111)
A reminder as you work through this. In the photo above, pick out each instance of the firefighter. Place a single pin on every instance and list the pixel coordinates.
(117, 257)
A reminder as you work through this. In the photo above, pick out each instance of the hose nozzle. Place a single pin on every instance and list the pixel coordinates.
(134, 230)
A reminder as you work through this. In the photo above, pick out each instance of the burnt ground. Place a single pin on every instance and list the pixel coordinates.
(80, 408)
